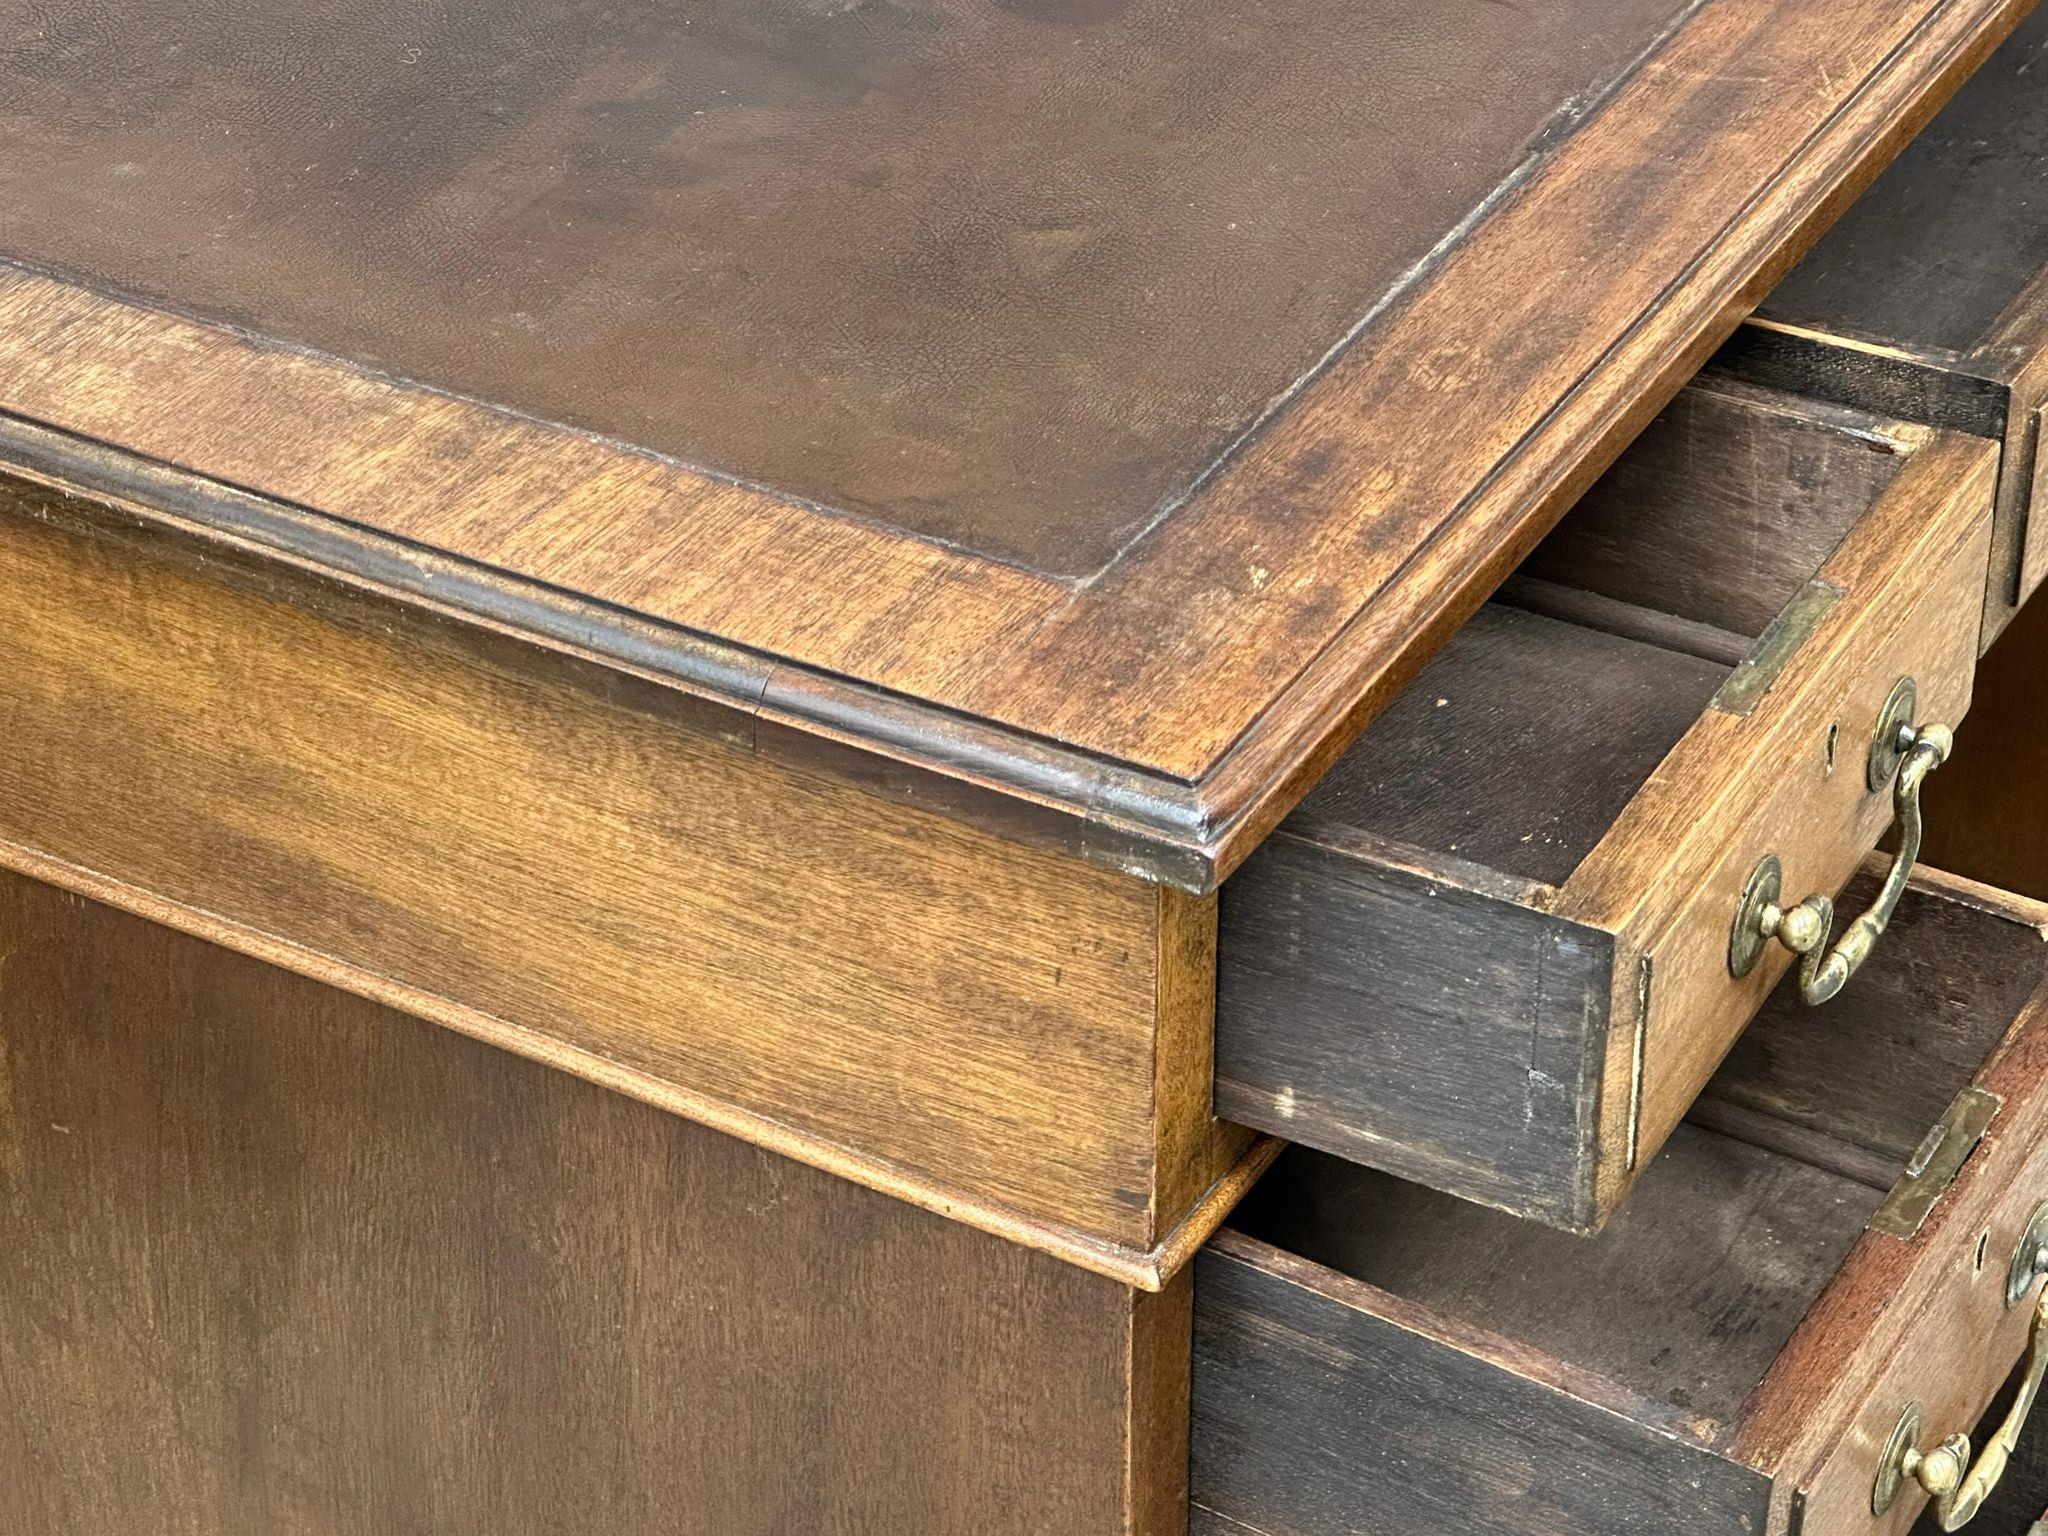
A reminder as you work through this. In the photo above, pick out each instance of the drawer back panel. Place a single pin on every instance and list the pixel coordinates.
(1724, 508)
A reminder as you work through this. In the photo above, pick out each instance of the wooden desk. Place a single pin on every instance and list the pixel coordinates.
(637, 643)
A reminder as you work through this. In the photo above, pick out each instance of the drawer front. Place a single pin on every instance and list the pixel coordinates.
(1789, 781)
(1947, 1337)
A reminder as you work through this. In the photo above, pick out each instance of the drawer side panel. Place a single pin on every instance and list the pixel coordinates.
(1443, 1034)
(1316, 1417)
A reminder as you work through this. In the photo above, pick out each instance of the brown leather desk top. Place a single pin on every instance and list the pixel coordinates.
(1007, 277)
(1106, 403)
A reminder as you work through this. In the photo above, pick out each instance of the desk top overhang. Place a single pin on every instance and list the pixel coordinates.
(1091, 410)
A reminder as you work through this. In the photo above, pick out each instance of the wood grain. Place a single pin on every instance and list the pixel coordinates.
(1324, 1407)
(1726, 506)
(279, 1258)
(1417, 1017)
(1612, 616)
(1984, 808)
(1668, 877)
(1518, 747)
(2034, 554)
(1691, 1336)
(1304, 578)
(1921, 1320)
(581, 866)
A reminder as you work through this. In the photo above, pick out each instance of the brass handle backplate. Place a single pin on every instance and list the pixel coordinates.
(1957, 1486)
(1902, 754)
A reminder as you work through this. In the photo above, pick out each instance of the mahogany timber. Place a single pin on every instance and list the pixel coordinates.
(882, 380)
(1488, 952)
(1929, 300)
(279, 1258)
(585, 867)
(1729, 1355)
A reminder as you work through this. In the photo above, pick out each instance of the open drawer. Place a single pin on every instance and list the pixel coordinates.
(1505, 942)
(1833, 1265)
(1929, 299)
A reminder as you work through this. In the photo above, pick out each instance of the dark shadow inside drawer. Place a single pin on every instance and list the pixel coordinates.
(1516, 749)
(1419, 969)
(1670, 1318)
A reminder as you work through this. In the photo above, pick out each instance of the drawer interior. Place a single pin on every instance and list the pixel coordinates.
(1490, 950)
(1538, 722)
(1925, 298)
(1749, 1210)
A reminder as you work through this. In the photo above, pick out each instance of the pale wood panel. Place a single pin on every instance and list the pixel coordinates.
(569, 862)
(1987, 811)
(280, 1260)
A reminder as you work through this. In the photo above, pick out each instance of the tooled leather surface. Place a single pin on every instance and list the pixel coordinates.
(1008, 275)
